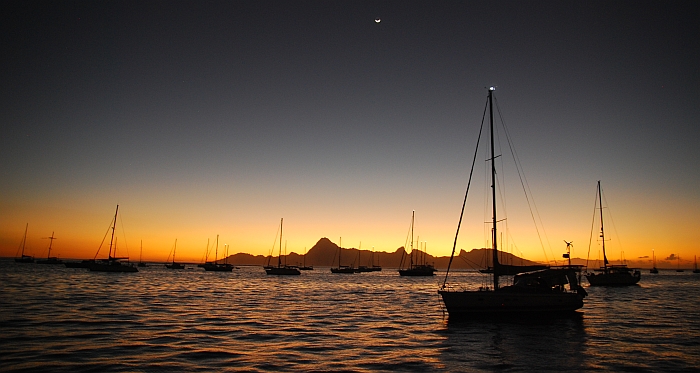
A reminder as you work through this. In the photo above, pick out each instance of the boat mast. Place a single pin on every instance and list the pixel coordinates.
(494, 245)
(50, 244)
(602, 231)
(359, 250)
(24, 240)
(111, 240)
(174, 249)
(279, 257)
(413, 220)
(216, 251)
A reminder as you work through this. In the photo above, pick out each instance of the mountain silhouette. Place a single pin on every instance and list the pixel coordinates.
(325, 254)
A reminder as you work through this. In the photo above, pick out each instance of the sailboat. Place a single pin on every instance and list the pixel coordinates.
(375, 267)
(304, 267)
(282, 270)
(678, 269)
(216, 266)
(24, 258)
(112, 263)
(653, 262)
(175, 265)
(370, 268)
(420, 267)
(696, 270)
(342, 268)
(611, 275)
(536, 292)
(141, 262)
(50, 259)
(360, 268)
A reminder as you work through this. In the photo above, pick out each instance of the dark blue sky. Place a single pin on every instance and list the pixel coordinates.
(313, 111)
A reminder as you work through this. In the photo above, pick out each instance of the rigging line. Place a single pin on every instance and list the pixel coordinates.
(471, 263)
(590, 238)
(272, 250)
(206, 253)
(466, 193)
(519, 168)
(121, 222)
(103, 239)
(23, 242)
(405, 244)
(612, 222)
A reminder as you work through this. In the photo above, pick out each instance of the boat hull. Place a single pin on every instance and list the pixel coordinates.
(612, 279)
(112, 267)
(282, 271)
(465, 303)
(418, 271)
(81, 264)
(50, 261)
(218, 267)
(343, 270)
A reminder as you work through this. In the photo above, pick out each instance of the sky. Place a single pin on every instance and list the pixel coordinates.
(206, 118)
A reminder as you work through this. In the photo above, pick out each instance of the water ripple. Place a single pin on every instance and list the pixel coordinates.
(62, 319)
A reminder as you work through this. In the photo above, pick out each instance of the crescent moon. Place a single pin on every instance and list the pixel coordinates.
(377, 20)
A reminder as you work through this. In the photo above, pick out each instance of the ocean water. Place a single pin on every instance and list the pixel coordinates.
(57, 319)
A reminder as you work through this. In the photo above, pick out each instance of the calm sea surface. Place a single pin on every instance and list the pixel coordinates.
(54, 319)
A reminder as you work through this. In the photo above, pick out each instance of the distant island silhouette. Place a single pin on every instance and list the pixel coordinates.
(324, 253)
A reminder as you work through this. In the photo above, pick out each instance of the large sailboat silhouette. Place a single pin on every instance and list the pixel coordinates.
(535, 292)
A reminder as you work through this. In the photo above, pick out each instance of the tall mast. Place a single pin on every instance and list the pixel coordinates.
(114, 225)
(279, 257)
(494, 244)
(216, 251)
(413, 220)
(602, 231)
(24, 240)
(340, 249)
(174, 249)
(359, 250)
(50, 244)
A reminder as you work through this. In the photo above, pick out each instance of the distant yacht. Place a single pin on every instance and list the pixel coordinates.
(304, 267)
(696, 270)
(370, 268)
(342, 268)
(653, 261)
(24, 258)
(611, 275)
(282, 270)
(419, 267)
(141, 262)
(112, 263)
(174, 265)
(216, 266)
(50, 259)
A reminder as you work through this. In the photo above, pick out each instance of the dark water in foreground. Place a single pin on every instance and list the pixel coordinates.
(54, 318)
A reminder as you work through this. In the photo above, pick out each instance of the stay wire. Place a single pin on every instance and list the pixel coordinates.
(523, 183)
(466, 193)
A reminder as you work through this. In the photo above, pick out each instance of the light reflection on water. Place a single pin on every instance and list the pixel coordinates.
(61, 319)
